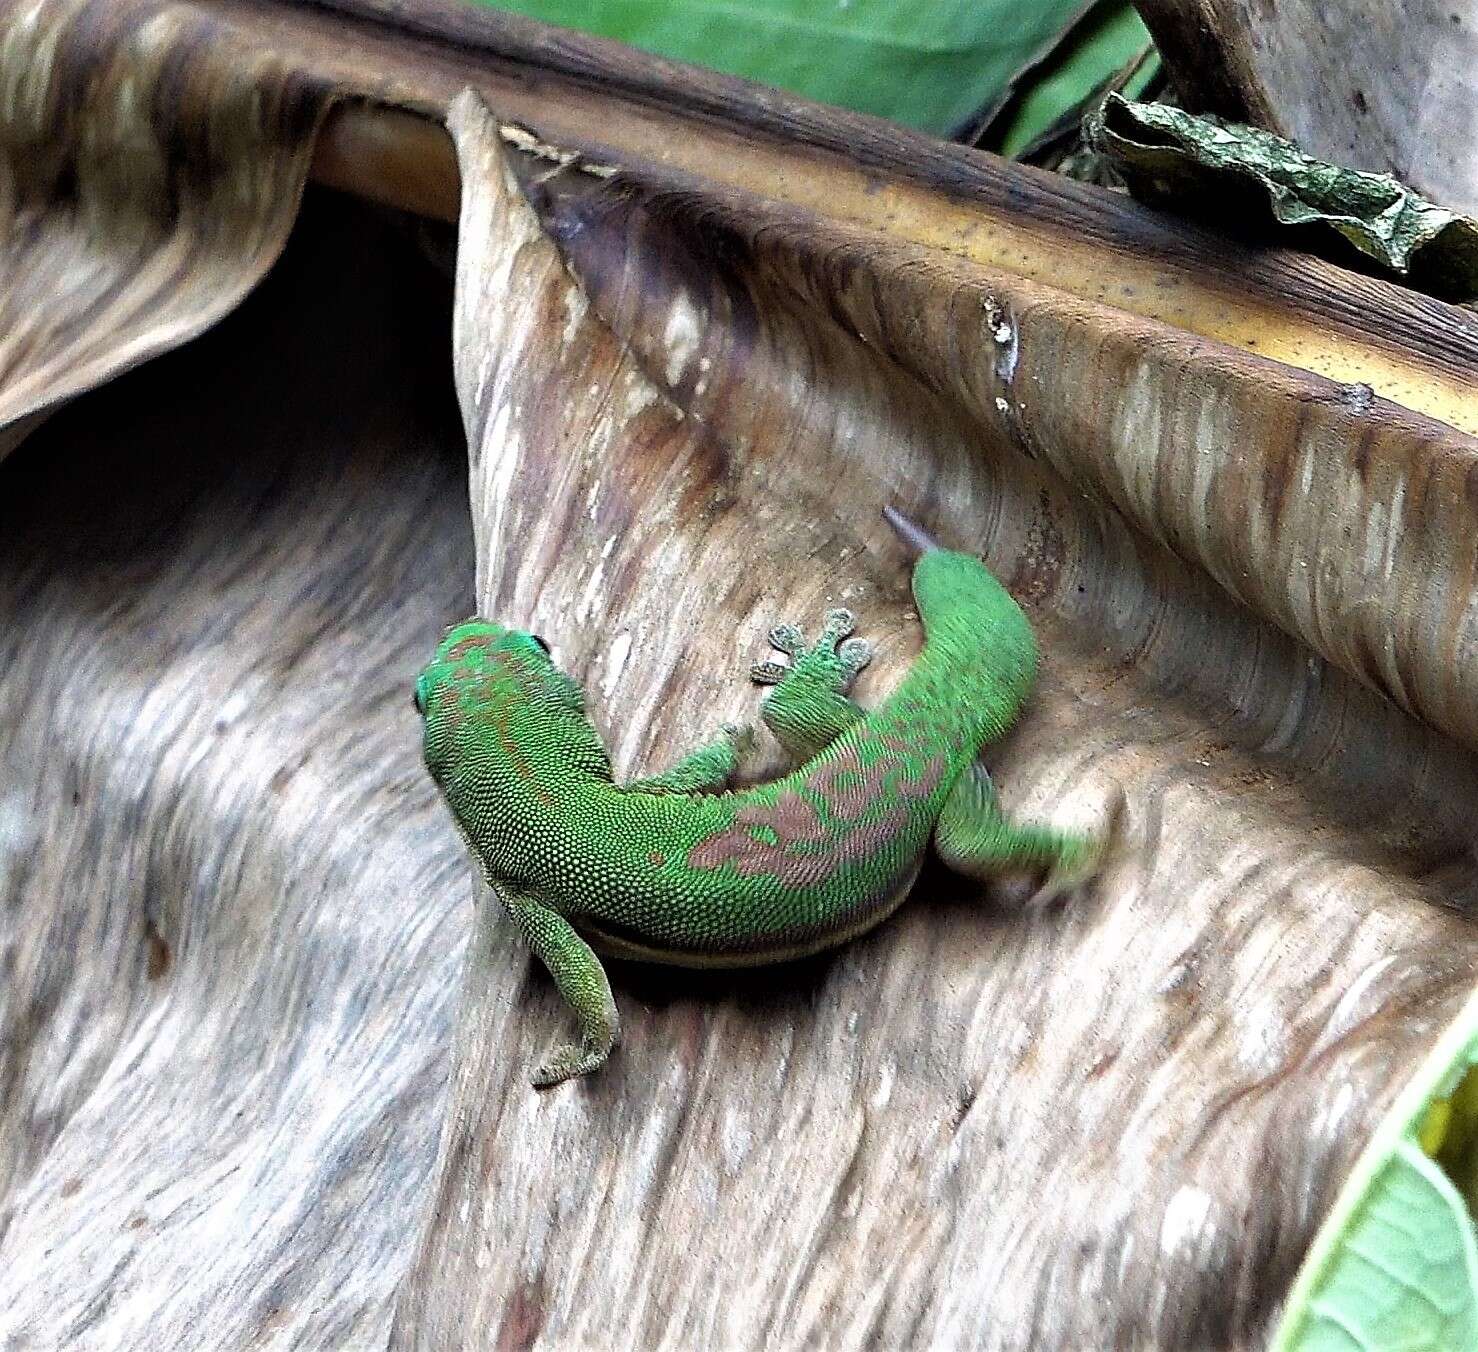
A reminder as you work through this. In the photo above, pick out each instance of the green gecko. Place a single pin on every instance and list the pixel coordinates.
(676, 869)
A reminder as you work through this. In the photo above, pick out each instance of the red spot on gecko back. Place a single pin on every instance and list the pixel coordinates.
(471, 643)
(805, 849)
(517, 759)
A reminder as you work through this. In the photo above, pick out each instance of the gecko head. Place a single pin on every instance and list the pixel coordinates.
(491, 695)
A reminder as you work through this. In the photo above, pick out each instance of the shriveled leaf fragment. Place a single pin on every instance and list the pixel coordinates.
(1389, 86)
(1396, 1262)
(1206, 164)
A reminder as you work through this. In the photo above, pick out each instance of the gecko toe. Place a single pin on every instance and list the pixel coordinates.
(768, 673)
(788, 639)
(836, 625)
(855, 654)
(567, 1063)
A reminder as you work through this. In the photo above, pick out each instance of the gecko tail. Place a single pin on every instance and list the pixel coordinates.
(910, 532)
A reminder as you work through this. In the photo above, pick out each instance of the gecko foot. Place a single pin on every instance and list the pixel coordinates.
(830, 658)
(1093, 855)
(566, 1063)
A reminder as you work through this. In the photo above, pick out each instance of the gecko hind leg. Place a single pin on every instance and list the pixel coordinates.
(580, 980)
(809, 708)
(973, 837)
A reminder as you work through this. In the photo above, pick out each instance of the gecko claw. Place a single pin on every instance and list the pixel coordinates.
(836, 624)
(788, 639)
(855, 654)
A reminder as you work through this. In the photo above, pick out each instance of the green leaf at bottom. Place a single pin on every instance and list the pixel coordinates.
(1394, 1268)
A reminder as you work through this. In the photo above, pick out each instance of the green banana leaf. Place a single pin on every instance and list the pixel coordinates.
(1395, 1265)
(1110, 39)
(927, 66)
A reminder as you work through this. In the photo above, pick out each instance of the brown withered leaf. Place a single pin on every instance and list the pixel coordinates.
(687, 387)
(130, 229)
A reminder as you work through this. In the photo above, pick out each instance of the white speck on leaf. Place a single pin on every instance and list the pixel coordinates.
(680, 337)
(884, 1091)
(1186, 1216)
(1004, 334)
(615, 663)
(576, 306)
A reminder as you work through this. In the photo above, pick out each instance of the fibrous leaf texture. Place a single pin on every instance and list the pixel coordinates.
(265, 1042)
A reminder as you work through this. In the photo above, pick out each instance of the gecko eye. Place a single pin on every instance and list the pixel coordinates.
(540, 642)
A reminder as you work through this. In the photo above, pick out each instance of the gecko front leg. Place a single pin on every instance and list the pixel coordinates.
(809, 708)
(706, 770)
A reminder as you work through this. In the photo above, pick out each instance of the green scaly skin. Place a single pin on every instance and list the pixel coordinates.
(674, 869)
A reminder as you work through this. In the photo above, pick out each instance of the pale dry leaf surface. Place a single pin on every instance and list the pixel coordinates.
(266, 1070)
(132, 222)
(1165, 1073)
(233, 910)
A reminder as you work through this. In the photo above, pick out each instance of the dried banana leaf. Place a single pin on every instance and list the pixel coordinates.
(129, 230)
(1234, 499)
(232, 925)
(1207, 166)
